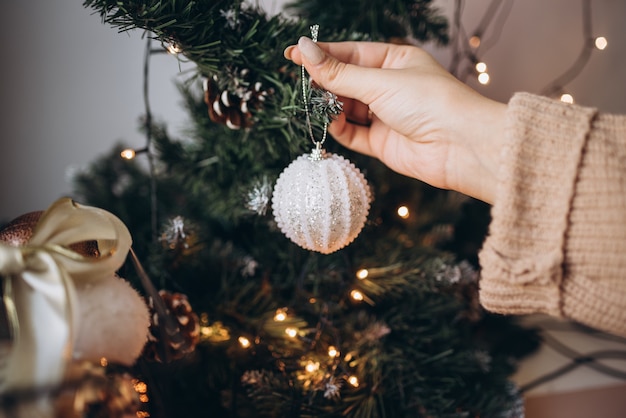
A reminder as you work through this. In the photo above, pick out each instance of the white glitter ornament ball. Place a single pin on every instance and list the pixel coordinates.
(321, 202)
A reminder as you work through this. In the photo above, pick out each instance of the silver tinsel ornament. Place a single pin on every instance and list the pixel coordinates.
(321, 201)
(259, 196)
(176, 233)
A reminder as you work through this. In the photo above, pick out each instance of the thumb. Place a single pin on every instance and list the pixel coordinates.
(343, 79)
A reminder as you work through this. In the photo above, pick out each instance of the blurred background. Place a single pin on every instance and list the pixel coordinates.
(72, 87)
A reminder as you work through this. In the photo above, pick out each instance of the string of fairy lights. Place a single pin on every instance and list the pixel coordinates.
(338, 368)
(313, 367)
(468, 50)
(467, 61)
(467, 53)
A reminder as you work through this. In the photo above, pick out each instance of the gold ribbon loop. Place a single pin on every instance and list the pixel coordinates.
(39, 281)
(11, 260)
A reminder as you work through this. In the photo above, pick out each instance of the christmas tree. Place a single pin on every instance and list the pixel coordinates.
(387, 326)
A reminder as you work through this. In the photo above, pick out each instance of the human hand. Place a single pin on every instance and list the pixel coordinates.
(425, 123)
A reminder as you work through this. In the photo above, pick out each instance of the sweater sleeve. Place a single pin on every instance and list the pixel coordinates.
(557, 239)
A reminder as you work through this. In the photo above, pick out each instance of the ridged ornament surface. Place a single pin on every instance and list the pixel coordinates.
(321, 205)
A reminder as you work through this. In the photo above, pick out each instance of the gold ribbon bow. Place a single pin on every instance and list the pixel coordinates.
(39, 281)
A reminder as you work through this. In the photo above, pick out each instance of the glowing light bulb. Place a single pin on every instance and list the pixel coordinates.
(403, 212)
(128, 154)
(362, 274)
(474, 41)
(601, 42)
(280, 316)
(483, 78)
(173, 49)
(292, 332)
(481, 67)
(567, 98)
(312, 300)
(356, 295)
(333, 352)
(312, 367)
(244, 342)
(354, 381)
(139, 386)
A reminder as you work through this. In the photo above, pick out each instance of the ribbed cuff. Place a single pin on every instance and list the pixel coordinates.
(522, 257)
(594, 305)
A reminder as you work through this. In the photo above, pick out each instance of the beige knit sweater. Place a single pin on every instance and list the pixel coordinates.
(557, 240)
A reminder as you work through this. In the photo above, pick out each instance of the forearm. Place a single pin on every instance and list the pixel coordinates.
(479, 138)
(558, 236)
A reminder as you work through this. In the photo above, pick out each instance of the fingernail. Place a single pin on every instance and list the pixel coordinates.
(310, 51)
(287, 52)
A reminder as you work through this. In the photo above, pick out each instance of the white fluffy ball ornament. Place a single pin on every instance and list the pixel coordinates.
(114, 322)
(321, 201)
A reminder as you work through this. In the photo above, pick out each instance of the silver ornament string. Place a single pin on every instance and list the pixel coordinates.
(317, 153)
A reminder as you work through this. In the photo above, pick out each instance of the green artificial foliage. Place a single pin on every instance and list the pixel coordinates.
(390, 20)
(418, 343)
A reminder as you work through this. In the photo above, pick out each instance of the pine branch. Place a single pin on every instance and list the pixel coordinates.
(381, 20)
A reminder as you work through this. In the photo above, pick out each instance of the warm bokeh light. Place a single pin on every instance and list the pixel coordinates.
(173, 49)
(292, 332)
(333, 352)
(601, 42)
(403, 212)
(354, 381)
(128, 154)
(215, 332)
(481, 67)
(362, 274)
(483, 78)
(567, 98)
(474, 41)
(104, 362)
(139, 386)
(356, 295)
(280, 316)
(312, 367)
(245, 343)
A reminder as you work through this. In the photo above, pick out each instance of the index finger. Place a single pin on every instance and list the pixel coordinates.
(365, 54)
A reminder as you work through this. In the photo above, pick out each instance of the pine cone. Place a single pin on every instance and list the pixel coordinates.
(232, 104)
(160, 347)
